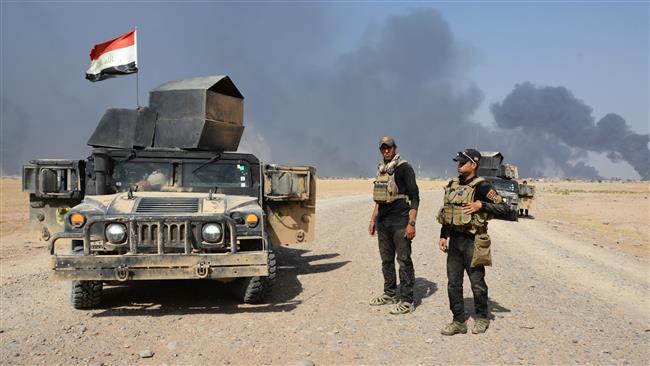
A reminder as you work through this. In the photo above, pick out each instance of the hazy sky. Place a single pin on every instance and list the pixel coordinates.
(308, 73)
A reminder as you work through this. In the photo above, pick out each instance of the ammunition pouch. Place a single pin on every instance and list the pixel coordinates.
(451, 213)
(385, 189)
(482, 255)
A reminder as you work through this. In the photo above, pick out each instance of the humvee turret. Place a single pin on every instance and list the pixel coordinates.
(164, 196)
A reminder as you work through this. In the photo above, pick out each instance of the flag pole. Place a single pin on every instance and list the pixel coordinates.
(137, 73)
(137, 90)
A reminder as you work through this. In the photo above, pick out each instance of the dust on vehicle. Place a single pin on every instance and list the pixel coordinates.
(164, 195)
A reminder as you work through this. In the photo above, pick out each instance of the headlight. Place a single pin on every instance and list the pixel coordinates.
(116, 233)
(211, 233)
(77, 220)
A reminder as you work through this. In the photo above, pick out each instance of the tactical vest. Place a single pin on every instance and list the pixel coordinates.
(451, 213)
(385, 189)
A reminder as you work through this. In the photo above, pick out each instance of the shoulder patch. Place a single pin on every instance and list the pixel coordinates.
(493, 196)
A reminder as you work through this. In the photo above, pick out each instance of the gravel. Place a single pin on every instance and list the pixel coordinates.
(554, 300)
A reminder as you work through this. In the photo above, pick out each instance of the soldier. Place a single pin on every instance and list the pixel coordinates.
(396, 197)
(468, 204)
(153, 181)
(525, 198)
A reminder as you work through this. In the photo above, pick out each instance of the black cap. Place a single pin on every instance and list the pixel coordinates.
(468, 155)
(387, 140)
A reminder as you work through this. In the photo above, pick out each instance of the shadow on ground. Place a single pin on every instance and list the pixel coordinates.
(177, 297)
(423, 289)
(529, 217)
(493, 307)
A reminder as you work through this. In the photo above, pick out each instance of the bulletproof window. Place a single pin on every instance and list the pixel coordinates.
(505, 185)
(146, 176)
(218, 174)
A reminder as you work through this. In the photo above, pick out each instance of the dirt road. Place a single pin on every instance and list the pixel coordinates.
(553, 298)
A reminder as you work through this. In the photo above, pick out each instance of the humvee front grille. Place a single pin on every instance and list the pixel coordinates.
(154, 234)
(173, 234)
(168, 205)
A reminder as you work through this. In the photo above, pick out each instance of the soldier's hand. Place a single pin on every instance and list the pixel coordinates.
(472, 207)
(410, 232)
(371, 228)
(442, 245)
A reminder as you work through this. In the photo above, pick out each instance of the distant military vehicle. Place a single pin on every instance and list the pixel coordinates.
(502, 177)
(492, 165)
(162, 196)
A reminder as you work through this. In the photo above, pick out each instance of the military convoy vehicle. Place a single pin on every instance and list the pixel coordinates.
(502, 177)
(164, 196)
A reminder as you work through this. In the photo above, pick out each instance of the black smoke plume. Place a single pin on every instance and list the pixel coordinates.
(406, 76)
(15, 125)
(555, 113)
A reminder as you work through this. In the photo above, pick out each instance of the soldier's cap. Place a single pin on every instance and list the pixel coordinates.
(468, 155)
(387, 140)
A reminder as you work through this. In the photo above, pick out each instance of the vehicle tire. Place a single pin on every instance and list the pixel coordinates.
(86, 294)
(254, 290)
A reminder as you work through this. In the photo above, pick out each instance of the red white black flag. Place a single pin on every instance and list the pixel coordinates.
(112, 58)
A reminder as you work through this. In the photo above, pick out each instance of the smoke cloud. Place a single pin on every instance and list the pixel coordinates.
(406, 79)
(15, 128)
(555, 113)
(306, 102)
(409, 81)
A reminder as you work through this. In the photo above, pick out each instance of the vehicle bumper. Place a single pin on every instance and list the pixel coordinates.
(159, 267)
(162, 264)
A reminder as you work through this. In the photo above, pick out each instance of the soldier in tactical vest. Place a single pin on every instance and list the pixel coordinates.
(396, 197)
(468, 204)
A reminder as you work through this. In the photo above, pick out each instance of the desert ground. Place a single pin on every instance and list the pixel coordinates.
(569, 286)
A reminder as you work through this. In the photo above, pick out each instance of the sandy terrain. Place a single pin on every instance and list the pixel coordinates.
(570, 286)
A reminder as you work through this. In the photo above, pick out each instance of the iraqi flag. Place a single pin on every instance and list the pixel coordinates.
(112, 58)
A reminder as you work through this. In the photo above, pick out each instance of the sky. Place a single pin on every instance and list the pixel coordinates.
(324, 81)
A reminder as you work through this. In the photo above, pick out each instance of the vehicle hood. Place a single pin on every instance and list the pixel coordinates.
(166, 203)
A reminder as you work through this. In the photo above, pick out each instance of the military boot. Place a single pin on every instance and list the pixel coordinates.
(480, 325)
(454, 328)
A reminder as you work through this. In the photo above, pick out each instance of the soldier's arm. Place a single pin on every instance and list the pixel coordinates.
(374, 213)
(412, 190)
(413, 194)
(492, 202)
(373, 217)
(445, 230)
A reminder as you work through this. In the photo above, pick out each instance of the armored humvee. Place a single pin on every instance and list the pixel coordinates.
(502, 177)
(163, 196)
